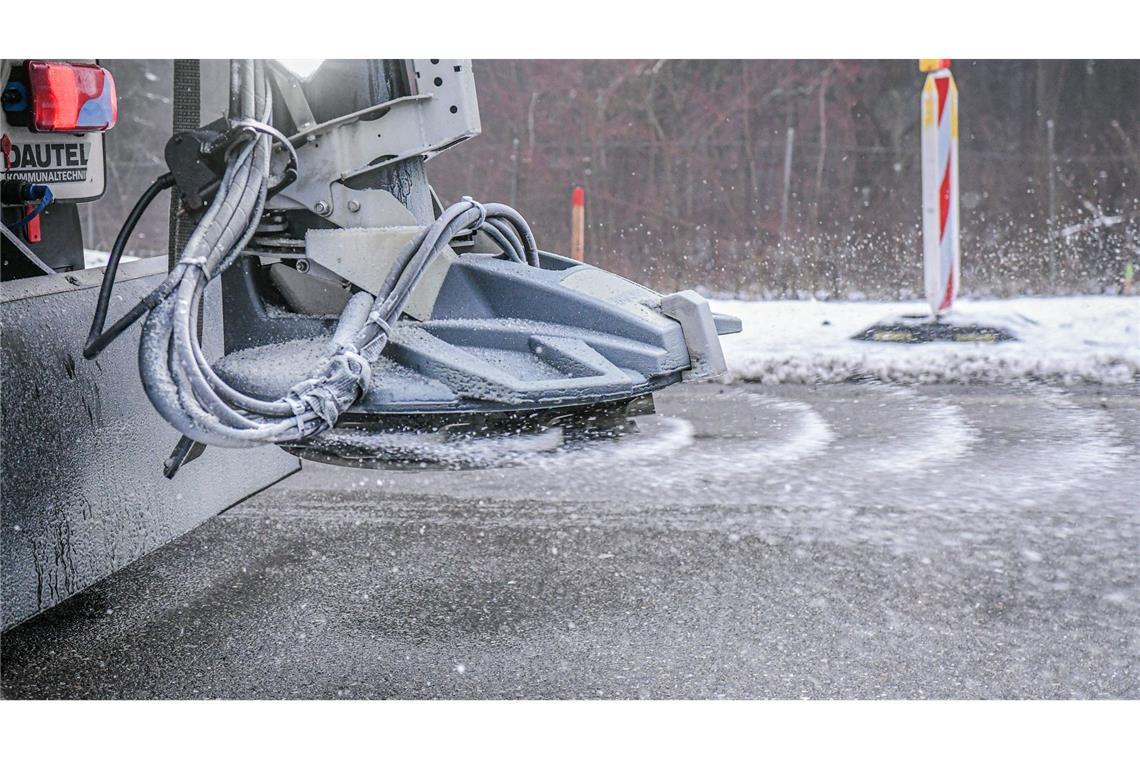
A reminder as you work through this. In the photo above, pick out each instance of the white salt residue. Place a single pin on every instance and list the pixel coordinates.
(672, 435)
(810, 435)
(939, 436)
(668, 451)
(1074, 447)
(365, 448)
(805, 434)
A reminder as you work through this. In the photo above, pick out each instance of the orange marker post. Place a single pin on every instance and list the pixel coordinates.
(578, 224)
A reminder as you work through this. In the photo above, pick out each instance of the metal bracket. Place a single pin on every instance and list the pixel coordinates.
(366, 208)
(365, 256)
(706, 358)
(292, 96)
(443, 112)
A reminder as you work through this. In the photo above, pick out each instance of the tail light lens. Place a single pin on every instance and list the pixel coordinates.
(71, 97)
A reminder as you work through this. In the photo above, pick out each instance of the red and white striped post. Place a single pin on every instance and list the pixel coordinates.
(940, 184)
(578, 224)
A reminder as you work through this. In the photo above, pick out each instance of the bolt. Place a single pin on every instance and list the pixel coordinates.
(354, 206)
(322, 208)
(302, 265)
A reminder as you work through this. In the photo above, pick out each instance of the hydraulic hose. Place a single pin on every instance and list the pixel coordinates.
(97, 340)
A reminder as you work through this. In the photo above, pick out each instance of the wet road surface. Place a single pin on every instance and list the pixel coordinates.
(839, 541)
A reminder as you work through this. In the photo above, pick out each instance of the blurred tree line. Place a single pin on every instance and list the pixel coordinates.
(802, 177)
(777, 178)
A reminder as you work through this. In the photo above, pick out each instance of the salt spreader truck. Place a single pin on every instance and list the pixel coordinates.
(319, 301)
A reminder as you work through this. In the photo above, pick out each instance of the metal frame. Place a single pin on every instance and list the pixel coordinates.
(442, 112)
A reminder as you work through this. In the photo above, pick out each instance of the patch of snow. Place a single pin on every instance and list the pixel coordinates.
(93, 258)
(1069, 340)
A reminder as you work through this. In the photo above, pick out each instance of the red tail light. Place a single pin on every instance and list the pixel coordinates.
(71, 97)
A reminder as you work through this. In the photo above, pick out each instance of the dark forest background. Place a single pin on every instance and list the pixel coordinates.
(772, 178)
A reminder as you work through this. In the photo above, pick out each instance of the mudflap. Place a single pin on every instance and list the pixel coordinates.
(82, 491)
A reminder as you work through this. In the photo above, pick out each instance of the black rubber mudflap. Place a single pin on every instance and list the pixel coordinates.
(187, 115)
(187, 110)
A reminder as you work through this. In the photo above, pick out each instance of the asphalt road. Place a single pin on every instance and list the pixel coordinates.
(840, 541)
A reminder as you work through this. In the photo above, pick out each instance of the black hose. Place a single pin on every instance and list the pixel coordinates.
(97, 339)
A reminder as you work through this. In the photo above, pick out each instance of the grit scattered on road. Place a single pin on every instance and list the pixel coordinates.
(850, 540)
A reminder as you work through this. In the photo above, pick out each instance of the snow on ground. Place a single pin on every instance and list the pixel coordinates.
(93, 258)
(1070, 340)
